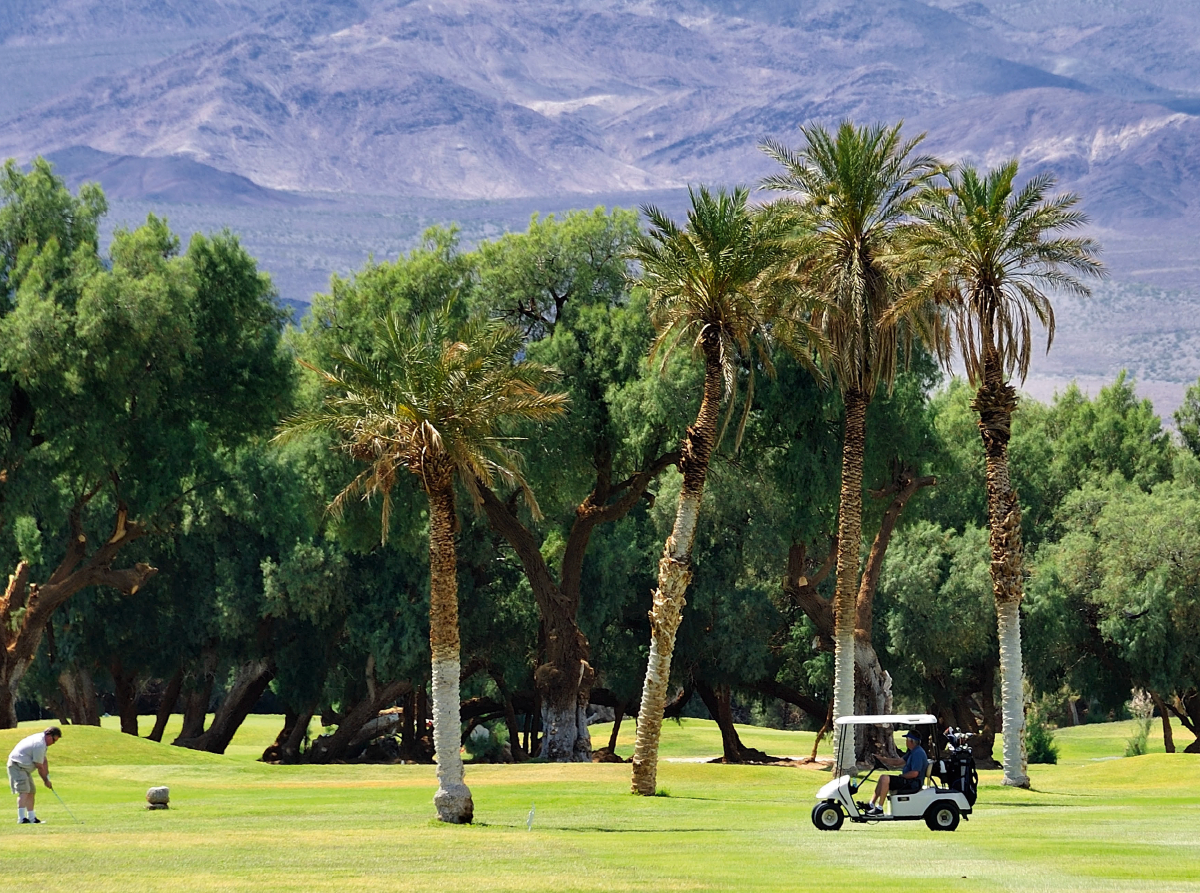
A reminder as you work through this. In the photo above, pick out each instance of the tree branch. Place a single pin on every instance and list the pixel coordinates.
(904, 485)
(77, 571)
(596, 510)
(801, 590)
(811, 706)
(505, 522)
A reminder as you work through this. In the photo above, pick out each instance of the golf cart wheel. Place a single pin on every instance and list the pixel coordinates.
(942, 816)
(828, 816)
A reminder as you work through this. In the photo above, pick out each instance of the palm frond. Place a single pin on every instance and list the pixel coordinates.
(850, 197)
(993, 256)
(433, 399)
(709, 281)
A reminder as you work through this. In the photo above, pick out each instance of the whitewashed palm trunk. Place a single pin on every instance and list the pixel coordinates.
(995, 403)
(1012, 695)
(674, 575)
(845, 604)
(453, 798)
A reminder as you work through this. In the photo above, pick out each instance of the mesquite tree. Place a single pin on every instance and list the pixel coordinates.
(119, 379)
(565, 282)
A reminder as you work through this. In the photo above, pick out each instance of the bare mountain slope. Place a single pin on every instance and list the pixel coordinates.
(168, 180)
(211, 110)
(483, 98)
(31, 23)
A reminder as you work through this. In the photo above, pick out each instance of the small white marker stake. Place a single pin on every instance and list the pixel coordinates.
(529, 820)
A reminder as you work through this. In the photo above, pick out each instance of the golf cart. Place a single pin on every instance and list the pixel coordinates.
(941, 806)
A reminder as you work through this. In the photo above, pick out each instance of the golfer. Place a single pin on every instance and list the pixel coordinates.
(30, 754)
(908, 781)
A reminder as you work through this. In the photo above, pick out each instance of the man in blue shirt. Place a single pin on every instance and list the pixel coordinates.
(910, 779)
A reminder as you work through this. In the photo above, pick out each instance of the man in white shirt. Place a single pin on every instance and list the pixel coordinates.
(30, 754)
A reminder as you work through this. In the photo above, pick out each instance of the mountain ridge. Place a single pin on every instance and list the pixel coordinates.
(484, 99)
(327, 131)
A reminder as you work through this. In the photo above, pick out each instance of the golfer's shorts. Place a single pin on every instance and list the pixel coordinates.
(901, 785)
(20, 780)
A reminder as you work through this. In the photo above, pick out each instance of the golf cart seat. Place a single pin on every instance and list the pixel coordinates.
(927, 783)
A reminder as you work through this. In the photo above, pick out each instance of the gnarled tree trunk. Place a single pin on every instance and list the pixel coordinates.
(198, 697)
(1161, 707)
(719, 701)
(274, 750)
(349, 734)
(26, 608)
(873, 684)
(872, 696)
(675, 573)
(1186, 708)
(984, 741)
(78, 695)
(166, 704)
(872, 688)
(125, 690)
(453, 798)
(510, 723)
(289, 748)
(249, 683)
(564, 675)
(995, 402)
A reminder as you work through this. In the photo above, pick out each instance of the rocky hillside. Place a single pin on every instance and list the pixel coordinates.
(504, 98)
(404, 114)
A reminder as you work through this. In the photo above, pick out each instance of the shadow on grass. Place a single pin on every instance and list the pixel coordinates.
(591, 829)
(647, 830)
(1042, 805)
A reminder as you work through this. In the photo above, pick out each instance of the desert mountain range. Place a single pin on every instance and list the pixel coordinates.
(250, 104)
(506, 98)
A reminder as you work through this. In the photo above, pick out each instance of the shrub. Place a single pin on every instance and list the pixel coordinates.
(1141, 708)
(486, 742)
(1039, 740)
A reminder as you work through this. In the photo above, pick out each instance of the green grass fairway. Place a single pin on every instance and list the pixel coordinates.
(1092, 823)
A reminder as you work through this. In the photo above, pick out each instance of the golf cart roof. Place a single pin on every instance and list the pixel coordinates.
(895, 719)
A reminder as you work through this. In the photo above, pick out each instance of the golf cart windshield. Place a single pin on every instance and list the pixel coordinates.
(895, 719)
(892, 719)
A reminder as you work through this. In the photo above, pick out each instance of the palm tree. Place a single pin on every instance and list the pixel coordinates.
(852, 195)
(992, 256)
(433, 399)
(704, 285)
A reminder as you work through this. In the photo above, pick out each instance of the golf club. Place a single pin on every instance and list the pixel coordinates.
(64, 806)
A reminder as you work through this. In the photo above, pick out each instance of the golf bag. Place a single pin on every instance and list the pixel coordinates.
(956, 769)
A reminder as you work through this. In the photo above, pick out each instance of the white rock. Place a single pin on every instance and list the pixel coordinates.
(158, 796)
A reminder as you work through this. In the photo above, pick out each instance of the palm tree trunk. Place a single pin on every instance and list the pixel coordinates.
(674, 575)
(849, 544)
(873, 694)
(995, 402)
(1012, 695)
(453, 797)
